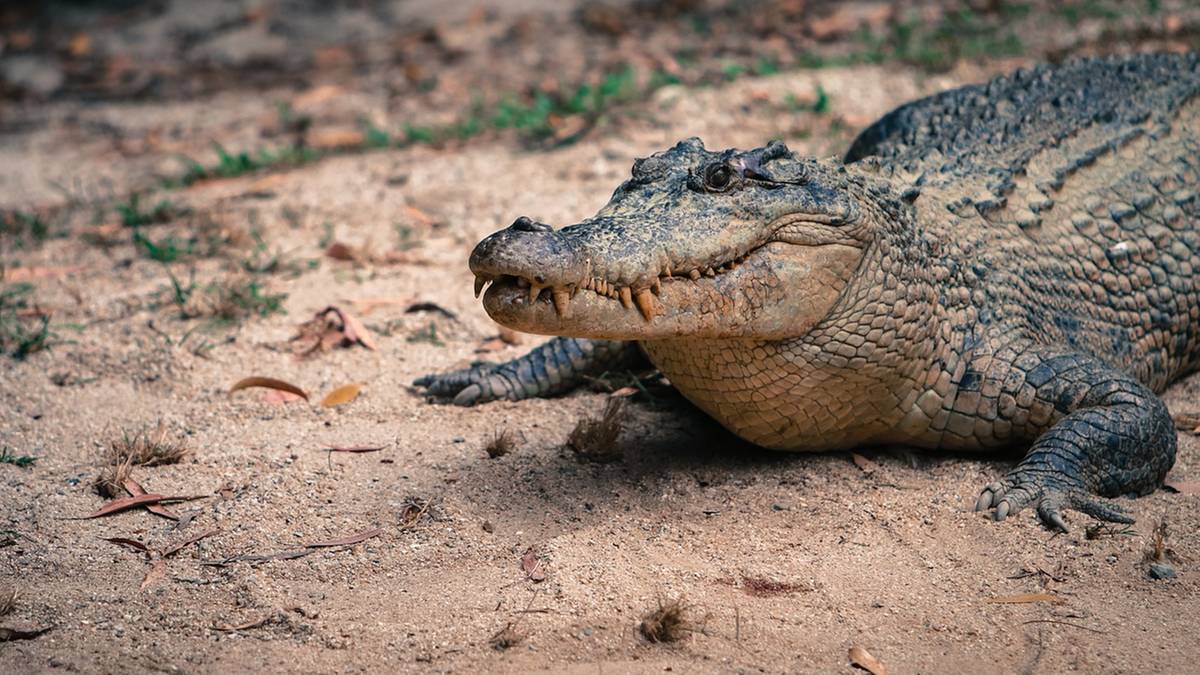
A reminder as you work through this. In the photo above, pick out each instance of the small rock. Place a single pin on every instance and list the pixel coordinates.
(1161, 571)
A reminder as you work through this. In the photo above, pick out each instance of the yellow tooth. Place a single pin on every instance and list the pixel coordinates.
(534, 290)
(694, 275)
(480, 282)
(645, 303)
(626, 297)
(562, 301)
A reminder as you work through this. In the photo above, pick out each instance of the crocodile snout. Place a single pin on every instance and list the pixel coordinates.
(531, 254)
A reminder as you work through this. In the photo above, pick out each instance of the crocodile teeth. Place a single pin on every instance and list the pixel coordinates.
(562, 301)
(534, 290)
(626, 297)
(645, 303)
(480, 282)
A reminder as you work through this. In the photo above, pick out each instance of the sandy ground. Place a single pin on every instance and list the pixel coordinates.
(784, 562)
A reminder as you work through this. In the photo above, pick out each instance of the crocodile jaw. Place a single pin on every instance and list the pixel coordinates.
(779, 290)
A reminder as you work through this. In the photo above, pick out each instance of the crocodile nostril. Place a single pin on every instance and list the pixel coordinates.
(527, 224)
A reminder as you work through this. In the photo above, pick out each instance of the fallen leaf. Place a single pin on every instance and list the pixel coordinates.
(188, 542)
(277, 397)
(430, 307)
(1022, 598)
(356, 448)
(334, 138)
(131, 543)
(532, 566)
(266, 184)
(135, 489)
(865, 465)
(493, 345)
(862, 658)
(418, 216)
(317, 95)
(347, 541)
(156, 575)
(124, 503)
(352, 328)
(268, 383)
(341, 396)
(1183, 487)
(509, 336)
(624, 391)
(10, 634)
(339, 251)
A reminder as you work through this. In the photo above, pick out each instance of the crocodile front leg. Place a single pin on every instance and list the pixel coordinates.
(1102, 434)
(555, 367)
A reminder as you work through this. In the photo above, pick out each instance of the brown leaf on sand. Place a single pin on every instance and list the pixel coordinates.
(136, 490)
(532, 566)
(862, 658)
(156, 575)
(347, 541)
(329, 328)
(341, 396)
(277, 397)
(124, 503)
(430, 307)
(187, 542)
(1183, 487)
(865, 465)
(367, 305)
(131, 543)
(356, 448)
(335, 137)
(268, 383)
(339, 251)
(1024, 598)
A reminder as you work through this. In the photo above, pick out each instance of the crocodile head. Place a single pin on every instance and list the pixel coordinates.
(696, 243)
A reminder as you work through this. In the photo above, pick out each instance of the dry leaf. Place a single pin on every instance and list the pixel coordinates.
(317, 95)
(493, 345)
(268, 383)
(156, 575)
(342, 395)
(624, 392)
(1183, 487)
(862, 658)
(187, 542)
(356, 448)
(865, 465)
(334, 138)
(532, 566)
(347, 541)
(1022, 598)
(124, 503)
(131, 543)
(429, 307)
(135, 489)
(367, 305)
(339, 251)
(509, 336)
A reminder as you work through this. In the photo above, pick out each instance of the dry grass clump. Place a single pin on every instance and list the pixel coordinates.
(143, 448)
(503, 442)
(669, 622)
(595, 440)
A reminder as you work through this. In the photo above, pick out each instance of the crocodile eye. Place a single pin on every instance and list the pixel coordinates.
(717, 176)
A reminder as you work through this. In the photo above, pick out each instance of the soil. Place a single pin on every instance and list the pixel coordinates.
(532, 560)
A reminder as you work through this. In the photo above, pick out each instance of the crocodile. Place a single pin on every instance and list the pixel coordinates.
(1007, 265)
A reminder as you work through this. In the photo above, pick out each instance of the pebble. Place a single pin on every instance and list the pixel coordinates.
(1161, 571)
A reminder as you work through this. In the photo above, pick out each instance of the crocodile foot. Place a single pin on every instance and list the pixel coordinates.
(1051, 492)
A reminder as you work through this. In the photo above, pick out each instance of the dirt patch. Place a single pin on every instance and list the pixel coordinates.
(389, 533)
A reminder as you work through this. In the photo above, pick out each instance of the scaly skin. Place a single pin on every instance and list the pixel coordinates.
(1007, 264)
